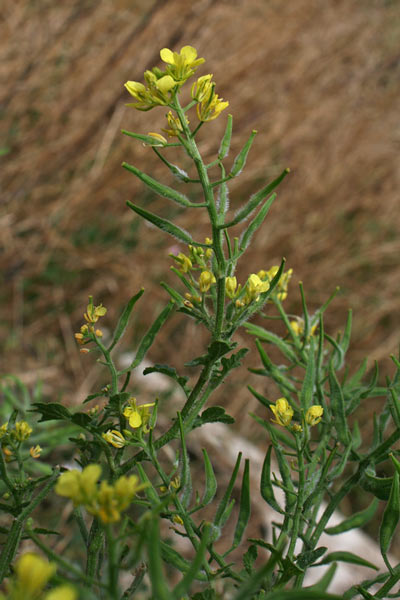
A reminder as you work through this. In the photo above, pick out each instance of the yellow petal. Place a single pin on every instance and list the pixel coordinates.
(189, 53)
(165, 84)
(167, 56)
(135, 420)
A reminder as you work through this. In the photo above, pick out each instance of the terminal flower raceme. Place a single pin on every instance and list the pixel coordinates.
(157, 92)
(281, 288)
(314, 414)
(22, 431)
(255, 287)
(181, 65)
(283, 412)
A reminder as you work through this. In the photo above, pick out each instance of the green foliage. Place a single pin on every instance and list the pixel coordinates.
(133, 502)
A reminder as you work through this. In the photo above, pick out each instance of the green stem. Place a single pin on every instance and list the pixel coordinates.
(94, 545)
(112, 563)
(299, 503)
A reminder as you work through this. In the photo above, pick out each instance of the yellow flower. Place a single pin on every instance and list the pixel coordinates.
(32, 574)
(93, 313)
(112, 499)
(3, 430)
(298, 327)
(184, 261)
(35, 451)
(79, 486)
(126, 488)
(159, 140)
(230, 287)
(206, 279)
(202, 88)
(254, 287)
(183, 65)
(174, 125)
(61, 592)
(115, 438)
(157, 92)
(138, 416)
(281, 288)
(283, 412)
(177, 519)
(210, 107)
(22, 431)
(314, 414)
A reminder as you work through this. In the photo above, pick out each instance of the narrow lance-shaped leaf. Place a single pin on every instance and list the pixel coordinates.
(148, 338)
(241, 158)
(158, 582)
(225, 500)
(307, 389)
(356, 521)
(185, 476)
(349, 557)
(268, 336)
(211, 482)
(192, 573)
(390, 519)
(124, 319)
(338, 409)
(255, 200)
(347, 333)
(226, 140)
(266, 487)
(255, 224)
(245, 506)
(163, 224)
(163, 190)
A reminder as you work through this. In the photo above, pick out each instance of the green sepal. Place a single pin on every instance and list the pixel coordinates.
(124, 319)
(149, 336)
(163, 224)
(226, 140)
(159, 188)
(356, 521)
(241, 158)
(255, 224)
(348, 557)
(255, 200)
(171, 373)
(210, 487)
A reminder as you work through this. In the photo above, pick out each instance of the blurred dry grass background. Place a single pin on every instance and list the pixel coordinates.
(319, 80)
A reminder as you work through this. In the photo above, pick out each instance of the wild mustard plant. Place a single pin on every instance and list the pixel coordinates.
(130, 507)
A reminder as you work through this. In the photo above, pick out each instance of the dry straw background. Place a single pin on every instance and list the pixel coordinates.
(318, 79)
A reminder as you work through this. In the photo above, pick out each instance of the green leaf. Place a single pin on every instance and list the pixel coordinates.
(81, 419)
(226, 140)
(255, 224)
(185, 476)
(169, 372)
(155, 547)
(147, 139)
(163, 224)
(307, 389)
(230, 363)
(356, 521)
(390, 519)
(304, 594)
(255, 200)
(241, 158)
(267, 336)
(51, 411)
(124, 319)
(309, 557)
(249, 558)
(225, 500)
(348, 557)
(210, 488)
(148, 338)
(245, 506)
(378, 486)
(172, 557)
(266, 487)
(213, 414)
(326, 579)
(174, 294)
(193, 571)
(162, 190)
(338, 408)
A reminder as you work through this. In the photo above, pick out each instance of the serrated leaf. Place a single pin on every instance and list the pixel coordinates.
(124, 319)
(163, 224)
(213, 414)
(51, 411)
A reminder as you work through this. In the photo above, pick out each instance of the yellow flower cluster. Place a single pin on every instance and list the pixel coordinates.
(31, 575)
(281, 289)
(198, 259)
(91, 316)
(283, 413)
(297, 327)
(209, 105)
(12, 437)
(105, 501)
